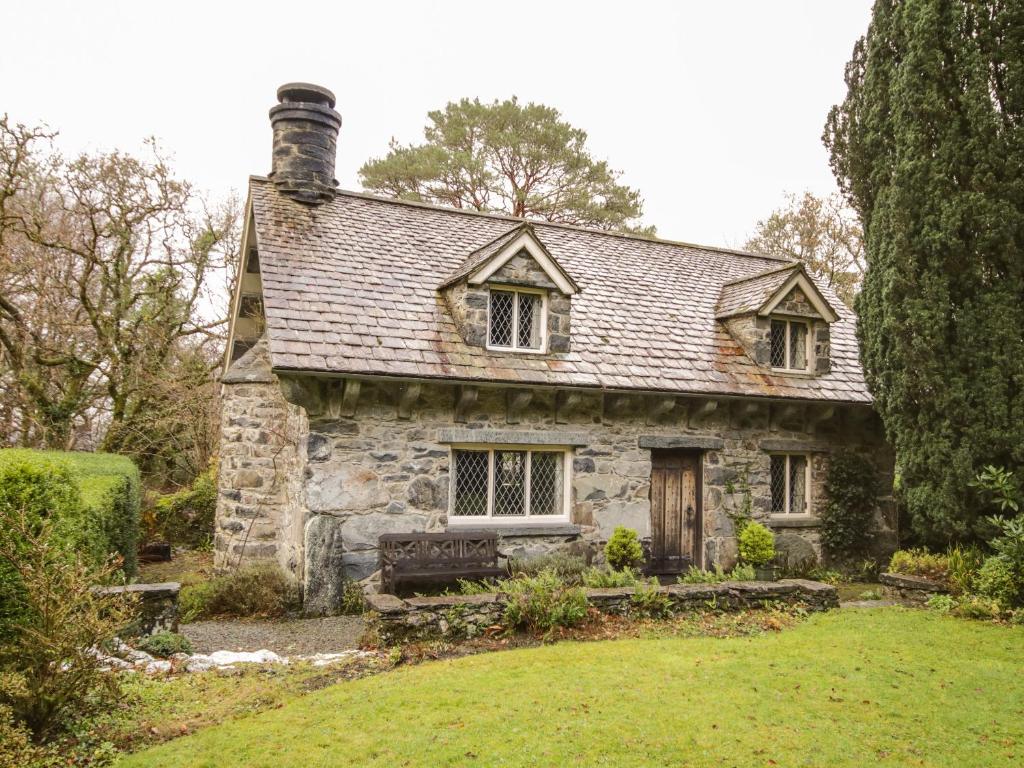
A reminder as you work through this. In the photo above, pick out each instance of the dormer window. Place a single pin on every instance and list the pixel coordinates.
(516, 320)
(789, 345)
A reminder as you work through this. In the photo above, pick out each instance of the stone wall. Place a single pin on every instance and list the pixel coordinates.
(261, 499)
(916, 590)
(157, 607)
(460, 616)
(375, 458)
(468, 303)
(753, 332)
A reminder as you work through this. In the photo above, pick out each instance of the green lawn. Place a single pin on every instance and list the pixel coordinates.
(850, 688)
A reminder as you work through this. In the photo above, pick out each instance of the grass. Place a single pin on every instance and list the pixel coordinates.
(848, 688)
(154, 709)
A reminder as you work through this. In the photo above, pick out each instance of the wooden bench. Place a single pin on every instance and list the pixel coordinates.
(437, 558)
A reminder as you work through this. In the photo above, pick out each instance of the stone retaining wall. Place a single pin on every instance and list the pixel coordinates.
(158, 606)
(460, 616)
(911, 589)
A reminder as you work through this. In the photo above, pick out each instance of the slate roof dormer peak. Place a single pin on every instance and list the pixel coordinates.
(490, 257)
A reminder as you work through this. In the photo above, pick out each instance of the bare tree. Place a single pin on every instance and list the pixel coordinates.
(106, 263)
(823, 233)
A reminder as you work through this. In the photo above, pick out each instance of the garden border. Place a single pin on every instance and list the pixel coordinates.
(456, 616)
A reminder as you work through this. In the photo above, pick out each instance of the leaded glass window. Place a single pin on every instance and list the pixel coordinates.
(788, 345)
(516, 320)
(508, 483)
(789, 477)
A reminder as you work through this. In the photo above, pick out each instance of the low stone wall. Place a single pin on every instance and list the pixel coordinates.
(460, 616)
(911, 589)
(158, 606)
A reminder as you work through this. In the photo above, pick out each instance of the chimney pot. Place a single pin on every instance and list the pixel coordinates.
(305, 142)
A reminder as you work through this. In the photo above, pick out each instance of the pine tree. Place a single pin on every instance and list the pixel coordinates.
(929, 148)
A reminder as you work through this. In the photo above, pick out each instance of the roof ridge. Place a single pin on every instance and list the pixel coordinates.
(542, 223)
(772, 271)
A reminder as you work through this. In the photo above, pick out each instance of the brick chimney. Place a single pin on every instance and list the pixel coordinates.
(305, 142)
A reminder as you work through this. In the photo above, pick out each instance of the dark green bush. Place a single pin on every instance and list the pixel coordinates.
(258, 589)
(164, 644)
(543, 602)
(44, 494)
(847, 522)
(623, 549)
(98, 505)
(185, 518)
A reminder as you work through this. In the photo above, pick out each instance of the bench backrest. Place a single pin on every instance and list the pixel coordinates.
(415, 551)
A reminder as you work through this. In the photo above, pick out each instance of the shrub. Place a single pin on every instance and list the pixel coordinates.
(606, 578)
(996, 580)
(52, 650)
(825, 575)
(649, 601)
(568, 566)
(186, 517)
(920, 562)
(976, 607)
(164, 644)
(543, 602)
(98, 507)
(851, 487)
(696, 576)
(482, 587)
(623, 549)
(962, 564)
(941, 603)
(257, 589)
(353, 599)
(756, 545)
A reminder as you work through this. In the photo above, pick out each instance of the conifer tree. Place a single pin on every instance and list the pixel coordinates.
(929, 148)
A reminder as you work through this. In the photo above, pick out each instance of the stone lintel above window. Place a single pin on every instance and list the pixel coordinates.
(668, 442)
(466, 436)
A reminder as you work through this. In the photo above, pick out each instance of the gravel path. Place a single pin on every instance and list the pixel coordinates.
(290, 637)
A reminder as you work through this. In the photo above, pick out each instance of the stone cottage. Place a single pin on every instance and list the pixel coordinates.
(399, 367)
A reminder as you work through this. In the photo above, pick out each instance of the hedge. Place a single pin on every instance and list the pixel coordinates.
(101, 516)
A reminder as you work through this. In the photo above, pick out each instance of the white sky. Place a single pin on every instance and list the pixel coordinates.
(711, 109)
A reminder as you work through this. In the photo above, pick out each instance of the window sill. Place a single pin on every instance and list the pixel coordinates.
(506, 530)
(781, 520)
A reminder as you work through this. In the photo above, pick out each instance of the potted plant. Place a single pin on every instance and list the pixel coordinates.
(757, 548)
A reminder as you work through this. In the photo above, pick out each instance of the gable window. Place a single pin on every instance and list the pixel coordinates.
(790, 481)
(789, 340)
(515, 320)
(509, 484)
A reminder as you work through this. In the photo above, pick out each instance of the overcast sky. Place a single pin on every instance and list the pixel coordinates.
(711, 109)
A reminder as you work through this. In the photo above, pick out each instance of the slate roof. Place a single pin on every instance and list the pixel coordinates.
(481, 255)
(749, 294)
(351, 287)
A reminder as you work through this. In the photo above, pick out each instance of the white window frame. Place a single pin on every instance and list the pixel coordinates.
(788, 353)
(528, 519)
(808, 503)
(515, 319)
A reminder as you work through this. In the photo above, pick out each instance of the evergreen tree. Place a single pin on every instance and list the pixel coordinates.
(929, 148)
(523, 160)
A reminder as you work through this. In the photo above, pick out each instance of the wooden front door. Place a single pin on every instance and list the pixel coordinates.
(675, 510)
